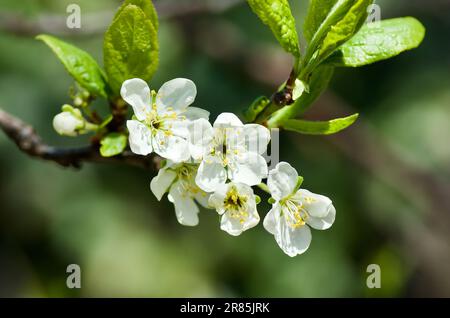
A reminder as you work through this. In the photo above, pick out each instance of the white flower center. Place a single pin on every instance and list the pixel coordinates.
(236, 205)
(156, 122)
(225, 144)
(294, 210)
(186, 174)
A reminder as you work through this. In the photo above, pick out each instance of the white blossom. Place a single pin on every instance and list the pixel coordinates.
(295, 211)
(228, 150)
(179, 181)
(160, 119)
(236, 203)
(68, 123)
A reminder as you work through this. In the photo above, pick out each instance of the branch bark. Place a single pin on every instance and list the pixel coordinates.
(29, 142)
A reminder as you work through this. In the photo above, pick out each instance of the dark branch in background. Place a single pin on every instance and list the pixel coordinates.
(19, 25)
(29, 142)
(96, 23)
(176, 8)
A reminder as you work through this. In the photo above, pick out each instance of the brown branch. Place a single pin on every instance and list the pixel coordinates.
(29, 142)
(279, 99)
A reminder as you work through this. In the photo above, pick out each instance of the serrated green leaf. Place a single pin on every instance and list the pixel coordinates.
(343, 30)
(319, 127)
(343, 21)
(379, 41)
(278, 16)
(113, 144)
(130, 48)
(317, 12)
(80, 65)
(146, 6)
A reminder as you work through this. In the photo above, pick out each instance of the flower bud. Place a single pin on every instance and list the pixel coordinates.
(78, 101)
(67, 123)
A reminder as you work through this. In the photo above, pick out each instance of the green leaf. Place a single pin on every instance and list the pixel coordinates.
(319, 127)
(342, 22)
(278, 16)
(379, 41)
(256, 108)
(80, 65)
(113, 144)
(348, 26)
(130, 48)
(317, 12)
(146, 6)
(318, 83)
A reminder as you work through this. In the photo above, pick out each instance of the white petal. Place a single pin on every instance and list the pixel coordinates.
(228, 120)
(171, 147)
(271, 219)
(245, 189)
(178, 128)
(200, 136)
(137, 93)
(316, 205)
(257, 138)
(170, 164)
(67, 124)
(323, 223)
(194, 113)
(217, 198)
(235, 227)
(186, 209)
(282, 180)
(161, 183)
(292, 241)
(203, 199)
(235, 139)
(299, 89)
(211, 174)
(177, 94)
(250, 169)
(140, 138)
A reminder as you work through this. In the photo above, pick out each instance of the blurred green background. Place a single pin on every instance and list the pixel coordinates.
(388, 175)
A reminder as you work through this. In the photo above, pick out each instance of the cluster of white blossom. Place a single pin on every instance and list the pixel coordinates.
(217, 165)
